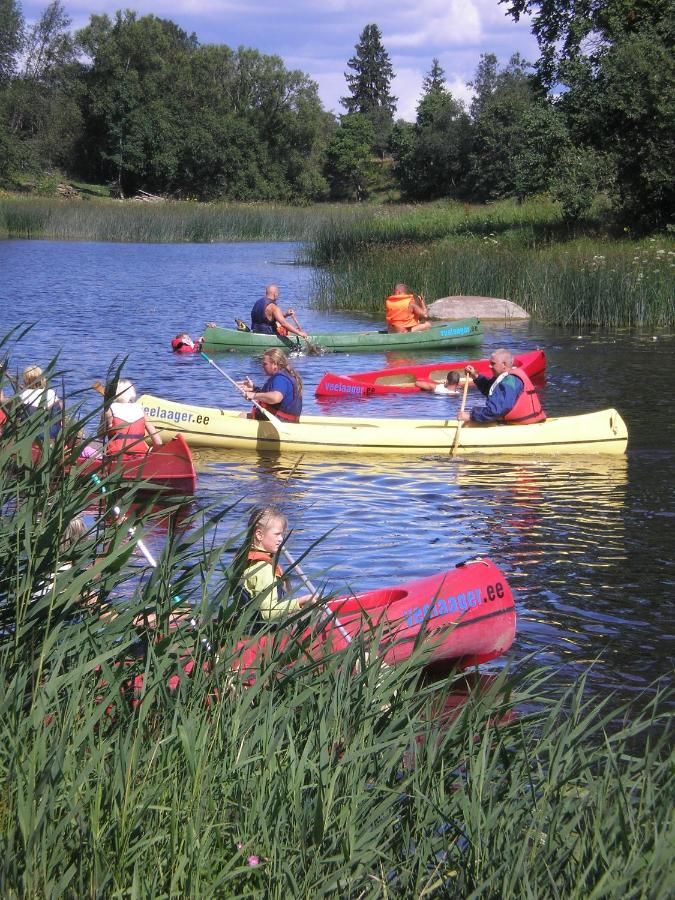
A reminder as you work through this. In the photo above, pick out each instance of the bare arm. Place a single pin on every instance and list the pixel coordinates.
(154, 434)
(282, 320)
(419, 307)
(269, 397)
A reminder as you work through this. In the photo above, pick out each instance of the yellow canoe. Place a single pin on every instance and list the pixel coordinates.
(203, 426)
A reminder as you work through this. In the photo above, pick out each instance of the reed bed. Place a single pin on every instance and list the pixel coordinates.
(579, 283)
(345, 779)
(399, 225)
(167, 222)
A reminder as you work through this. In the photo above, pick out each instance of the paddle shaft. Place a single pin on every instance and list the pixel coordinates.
(269, 415)
(117, 512)
(311, 346)
(308, 584)
(460, 422)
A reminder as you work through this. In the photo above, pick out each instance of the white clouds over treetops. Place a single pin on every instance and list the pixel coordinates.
(319, 38)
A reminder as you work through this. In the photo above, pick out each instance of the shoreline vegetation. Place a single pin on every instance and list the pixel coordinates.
(343, 778)
(573, 276)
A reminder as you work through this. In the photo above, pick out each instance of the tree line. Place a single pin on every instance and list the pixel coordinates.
(135, 102)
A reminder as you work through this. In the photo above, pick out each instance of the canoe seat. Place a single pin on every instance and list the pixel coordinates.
(440, 374)
(396, 379)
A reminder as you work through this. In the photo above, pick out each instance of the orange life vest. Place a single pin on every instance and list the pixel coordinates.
(527, 408)
(127, 438)
(264, 556)
(398, 312)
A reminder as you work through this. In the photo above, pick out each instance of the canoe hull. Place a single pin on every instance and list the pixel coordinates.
(462, 333)
(401, 379)
(464, 616)
(168, 468)
(599, 432)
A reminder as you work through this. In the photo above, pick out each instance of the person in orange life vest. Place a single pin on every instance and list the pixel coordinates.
(511, 396)
(267, 318)
(405, 312)
(125, 425)
(183, 343)
(262, 581)
(281, 393)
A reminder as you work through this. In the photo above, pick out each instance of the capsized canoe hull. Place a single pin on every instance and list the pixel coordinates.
(462, 333)
(169, 468)
(465, 616)
(401, 379)
(202, 426)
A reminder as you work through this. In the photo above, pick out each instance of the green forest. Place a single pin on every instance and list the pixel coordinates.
(135, 103)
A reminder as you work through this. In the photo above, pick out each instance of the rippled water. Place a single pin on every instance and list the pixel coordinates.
(586, 542)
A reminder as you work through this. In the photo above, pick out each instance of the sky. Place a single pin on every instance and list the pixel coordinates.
(318, 36)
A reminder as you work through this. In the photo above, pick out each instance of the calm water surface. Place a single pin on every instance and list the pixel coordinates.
(586, 542)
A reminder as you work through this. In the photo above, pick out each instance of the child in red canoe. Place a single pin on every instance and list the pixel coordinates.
(262, 581)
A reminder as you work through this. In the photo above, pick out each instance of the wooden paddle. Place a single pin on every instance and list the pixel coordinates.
(278, 424)
(460, 422)
(310, 587)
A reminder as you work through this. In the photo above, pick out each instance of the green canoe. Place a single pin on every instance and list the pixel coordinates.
(460, 333)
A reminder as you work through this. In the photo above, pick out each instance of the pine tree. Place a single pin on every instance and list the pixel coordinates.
(434, 80)
(369, 86)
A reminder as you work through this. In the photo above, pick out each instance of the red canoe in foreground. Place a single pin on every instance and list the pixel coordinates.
(167, 468)
(465, 616)
(462, 617)
(401, 379)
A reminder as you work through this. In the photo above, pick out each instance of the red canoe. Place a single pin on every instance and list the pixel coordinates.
(169, 467)
(465, 616)
(401, 379)
(462, 617)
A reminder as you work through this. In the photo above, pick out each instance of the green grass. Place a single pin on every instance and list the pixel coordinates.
(313, 781)
(167, 222)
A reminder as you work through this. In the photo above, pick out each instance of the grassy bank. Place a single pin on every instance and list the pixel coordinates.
(166, 222)
(526, 224)
(332, 780)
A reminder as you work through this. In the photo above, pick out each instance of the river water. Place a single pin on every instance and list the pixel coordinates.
(586, 542)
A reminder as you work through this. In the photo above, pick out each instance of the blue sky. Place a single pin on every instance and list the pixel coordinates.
(319, 37)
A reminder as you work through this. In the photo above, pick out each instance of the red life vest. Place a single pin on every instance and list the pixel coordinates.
(256, 414)
(127, 438)
(3, 419)
(178, 345)
(527, 408)
(398, 313)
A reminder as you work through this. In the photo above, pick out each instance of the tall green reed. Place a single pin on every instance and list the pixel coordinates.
(170, 222)
(578, 283)
(323, 778)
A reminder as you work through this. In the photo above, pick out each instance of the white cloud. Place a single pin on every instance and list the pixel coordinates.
(435, 24)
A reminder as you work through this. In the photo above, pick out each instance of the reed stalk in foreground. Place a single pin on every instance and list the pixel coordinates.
(340, 779)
